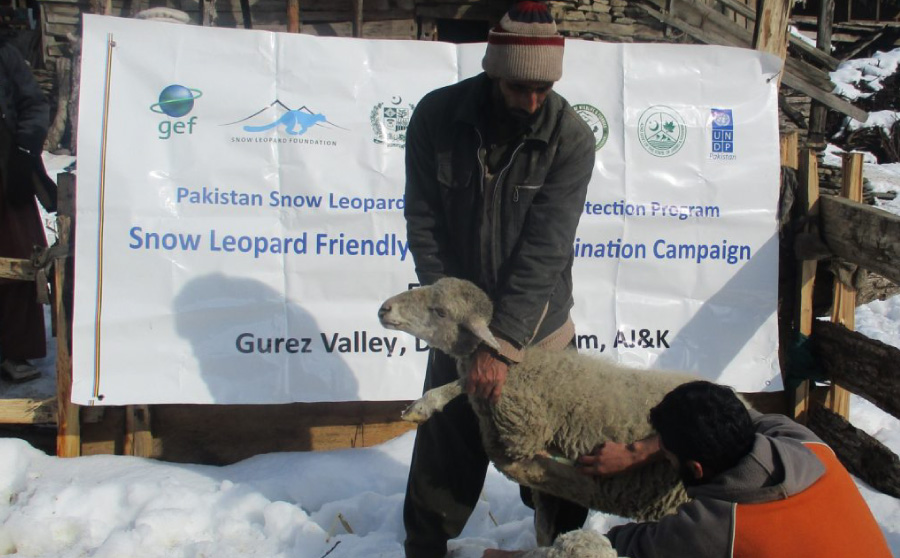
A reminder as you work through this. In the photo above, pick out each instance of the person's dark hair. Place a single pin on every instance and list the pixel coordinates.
(704, 422)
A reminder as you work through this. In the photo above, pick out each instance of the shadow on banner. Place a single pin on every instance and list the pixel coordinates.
(232, 324)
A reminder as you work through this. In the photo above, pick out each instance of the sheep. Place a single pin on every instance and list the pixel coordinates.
(581, 543)
(555, 406)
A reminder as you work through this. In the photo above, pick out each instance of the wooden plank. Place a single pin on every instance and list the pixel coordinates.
(862, 234)
(821, 57)
(818, 112)
(357, 18)
(28, 411)
(860, 453)
(789, 151)
(293, 16)
(16, 268)
(843, 308)
(865, 366)
(863, 44)
(828, 99)
(809, 177)
(796, 76)
(246, 14)
(138, 438)
(221, 434)
(68, 438)
(770, 32)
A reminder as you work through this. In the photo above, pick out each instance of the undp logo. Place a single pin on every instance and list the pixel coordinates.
(176, 101)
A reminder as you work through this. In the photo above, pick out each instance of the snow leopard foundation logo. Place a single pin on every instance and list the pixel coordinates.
(661, 131)
(390, 121)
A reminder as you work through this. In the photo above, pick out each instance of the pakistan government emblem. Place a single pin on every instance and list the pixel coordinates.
(390, 121)
(596, 121)
(661, 131)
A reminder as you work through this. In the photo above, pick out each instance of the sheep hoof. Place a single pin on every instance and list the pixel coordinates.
(418, 412)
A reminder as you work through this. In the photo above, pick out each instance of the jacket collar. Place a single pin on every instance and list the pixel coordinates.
(475, 103)
(774, 469)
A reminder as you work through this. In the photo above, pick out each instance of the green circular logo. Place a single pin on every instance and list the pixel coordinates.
(596, 121)
(661, 131)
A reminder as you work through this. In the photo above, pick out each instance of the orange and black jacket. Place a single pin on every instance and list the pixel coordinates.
(789, 497)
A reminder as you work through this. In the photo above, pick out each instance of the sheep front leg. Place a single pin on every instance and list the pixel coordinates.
(433, 401)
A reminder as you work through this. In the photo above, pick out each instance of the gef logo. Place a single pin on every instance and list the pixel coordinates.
(176, 101)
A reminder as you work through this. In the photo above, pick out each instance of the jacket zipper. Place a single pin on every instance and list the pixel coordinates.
(478, 157)
(495, 226)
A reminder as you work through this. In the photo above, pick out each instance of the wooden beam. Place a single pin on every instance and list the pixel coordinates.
(789, 152)
(809, 177)
(795, 115)
(770, 32)
(819, 56)
(293, 16)
(818, 112)
(246, 15)
(138, 438)
(68, 420)
(865, 366)
(864, 43)
(16, 268)
(357, 18)
(68, 437)
(828, 99)
(843, 308)
(793, 75)
(28, 411)
(861, 454)
(862, 234)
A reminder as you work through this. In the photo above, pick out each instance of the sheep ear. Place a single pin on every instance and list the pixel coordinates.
(480, 328)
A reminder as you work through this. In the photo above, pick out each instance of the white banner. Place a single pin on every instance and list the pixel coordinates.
(240, 211)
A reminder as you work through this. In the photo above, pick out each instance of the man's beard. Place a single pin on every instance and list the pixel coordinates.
(521, 116)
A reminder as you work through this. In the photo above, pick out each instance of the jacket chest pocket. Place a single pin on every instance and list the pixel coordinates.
(451, 173)
(526, 177)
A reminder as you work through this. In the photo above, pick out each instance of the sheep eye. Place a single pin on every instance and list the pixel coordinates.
(440, 312)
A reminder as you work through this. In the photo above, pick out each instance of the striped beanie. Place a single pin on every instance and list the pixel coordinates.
(525, 45)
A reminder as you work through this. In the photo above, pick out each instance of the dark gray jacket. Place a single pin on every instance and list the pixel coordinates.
(789, 490)
(538, 201)
(23, 105)
(24, 119)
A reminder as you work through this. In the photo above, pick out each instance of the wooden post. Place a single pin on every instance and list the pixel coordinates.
(809, 176)
(818, 112)
(357, 18)
(843, 309)
(68, 434)
(246, 15)
(293, 16)
(208, 14)
(789, 152)
(138, 438)
(770, 32)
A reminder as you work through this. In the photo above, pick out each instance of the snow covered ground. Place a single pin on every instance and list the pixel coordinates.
(304, 505)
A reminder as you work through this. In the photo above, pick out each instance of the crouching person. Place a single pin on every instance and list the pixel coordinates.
(760, 485)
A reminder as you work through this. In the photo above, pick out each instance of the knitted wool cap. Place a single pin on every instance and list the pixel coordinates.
(525, 45)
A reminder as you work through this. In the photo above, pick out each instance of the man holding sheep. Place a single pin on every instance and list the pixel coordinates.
(760, 485)
(497, 172)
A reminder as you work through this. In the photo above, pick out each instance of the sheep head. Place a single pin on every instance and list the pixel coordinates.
(451, 315)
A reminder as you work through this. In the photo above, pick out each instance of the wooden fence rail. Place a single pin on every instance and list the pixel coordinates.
(864, 366)
(853, 363)
(862, 234)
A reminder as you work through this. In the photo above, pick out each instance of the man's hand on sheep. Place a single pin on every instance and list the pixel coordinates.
(487, 375)
(611, 458)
